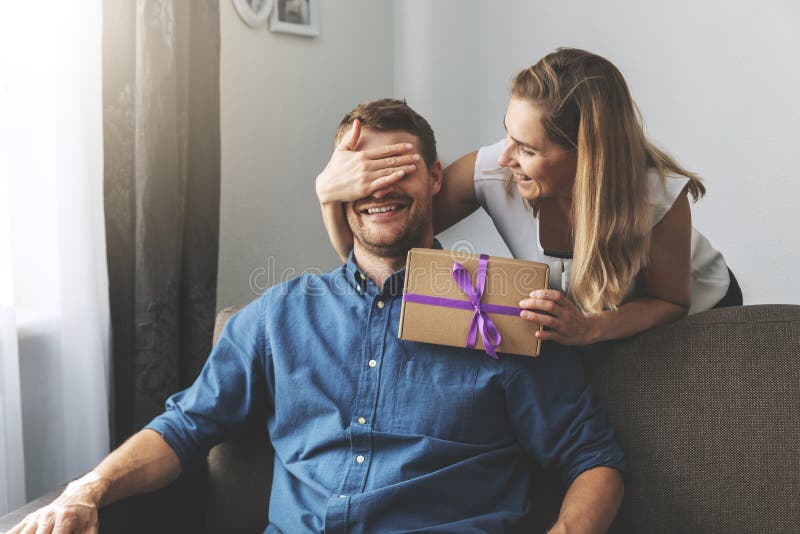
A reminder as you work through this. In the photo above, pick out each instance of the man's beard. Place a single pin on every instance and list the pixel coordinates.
(390, 246)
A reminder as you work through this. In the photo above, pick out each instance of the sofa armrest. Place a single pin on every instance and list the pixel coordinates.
(178, 507)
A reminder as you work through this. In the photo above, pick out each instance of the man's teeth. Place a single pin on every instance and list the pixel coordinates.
(382, 209)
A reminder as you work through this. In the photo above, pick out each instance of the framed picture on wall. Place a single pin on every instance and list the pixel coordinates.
(253, 12)
(300, 17)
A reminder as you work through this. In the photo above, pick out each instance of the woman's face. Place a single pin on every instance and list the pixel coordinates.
(541, 167)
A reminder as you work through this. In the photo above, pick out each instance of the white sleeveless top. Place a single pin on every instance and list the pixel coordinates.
(520, 230)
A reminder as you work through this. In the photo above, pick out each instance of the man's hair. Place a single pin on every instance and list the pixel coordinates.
(387, 115)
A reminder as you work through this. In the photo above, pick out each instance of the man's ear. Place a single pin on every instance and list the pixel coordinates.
(436, 177)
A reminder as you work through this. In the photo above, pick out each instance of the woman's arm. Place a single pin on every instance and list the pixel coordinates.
(456, 199)
(667, 294)
(338, 231)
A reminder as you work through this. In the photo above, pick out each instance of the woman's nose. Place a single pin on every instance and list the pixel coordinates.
(505, 158)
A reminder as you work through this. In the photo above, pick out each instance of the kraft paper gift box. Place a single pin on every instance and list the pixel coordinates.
(440, 294)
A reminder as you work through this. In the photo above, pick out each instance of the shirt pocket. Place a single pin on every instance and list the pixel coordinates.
(435, 391)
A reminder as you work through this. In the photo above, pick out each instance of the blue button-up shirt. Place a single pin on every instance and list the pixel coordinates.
(376, 434)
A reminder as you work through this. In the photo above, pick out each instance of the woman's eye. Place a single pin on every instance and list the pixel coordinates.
(527, 152)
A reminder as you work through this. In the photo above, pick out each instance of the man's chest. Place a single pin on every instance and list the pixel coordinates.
(357, 372)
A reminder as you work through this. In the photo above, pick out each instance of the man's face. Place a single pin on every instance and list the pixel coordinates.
(398, 217)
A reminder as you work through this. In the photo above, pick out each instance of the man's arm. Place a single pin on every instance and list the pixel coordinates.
(557, 422)
(230, 393)
(591, 502)
(143, 463)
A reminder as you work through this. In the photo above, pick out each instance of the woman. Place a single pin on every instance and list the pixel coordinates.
(574, 184)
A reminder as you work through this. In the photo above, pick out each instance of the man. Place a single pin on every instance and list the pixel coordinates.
(372, 433)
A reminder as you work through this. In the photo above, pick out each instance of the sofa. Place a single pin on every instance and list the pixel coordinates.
(707, 410)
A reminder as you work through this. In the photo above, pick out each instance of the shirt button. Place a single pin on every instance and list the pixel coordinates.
(342, 496)
(361, 421)
(381, 304)
(358, 288)
(372, 363)
(360, 459)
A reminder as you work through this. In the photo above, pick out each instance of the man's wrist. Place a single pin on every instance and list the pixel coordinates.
(91, 486)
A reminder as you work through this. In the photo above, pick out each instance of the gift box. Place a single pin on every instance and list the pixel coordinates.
(470, 300)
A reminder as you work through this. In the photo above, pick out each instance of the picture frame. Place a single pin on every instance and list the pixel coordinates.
(298, 17)
(254, 13)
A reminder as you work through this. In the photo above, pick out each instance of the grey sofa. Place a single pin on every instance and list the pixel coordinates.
(707, 410)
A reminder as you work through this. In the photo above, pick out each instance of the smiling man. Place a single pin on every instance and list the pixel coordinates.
(372, 433)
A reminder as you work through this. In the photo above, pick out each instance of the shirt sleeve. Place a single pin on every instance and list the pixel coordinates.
(489, 177)
(663, 193)
(230, 392)
(555, 418)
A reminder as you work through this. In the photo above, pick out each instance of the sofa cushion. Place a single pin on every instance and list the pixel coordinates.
(707, 411)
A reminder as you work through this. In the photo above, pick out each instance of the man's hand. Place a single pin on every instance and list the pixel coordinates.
(73, 512)
(145, 462)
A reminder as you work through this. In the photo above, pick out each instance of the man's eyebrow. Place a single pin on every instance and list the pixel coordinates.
(517, 141)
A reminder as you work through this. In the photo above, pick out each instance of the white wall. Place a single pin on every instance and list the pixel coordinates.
(282, 97)
(717, 84)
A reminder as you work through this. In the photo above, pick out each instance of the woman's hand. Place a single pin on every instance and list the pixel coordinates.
(351, 175)
(567, 324)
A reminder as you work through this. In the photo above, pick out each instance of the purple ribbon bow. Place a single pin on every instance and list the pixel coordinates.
(481, 322)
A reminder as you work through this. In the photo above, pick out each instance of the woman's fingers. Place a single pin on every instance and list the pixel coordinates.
(388, 177)
(387, 151)
(390, 162)
(351, 175)
(350, 138)
(545, 312)
(549, 306)
(550, 294)
(540, 318)
(553, 324)
(549, 335)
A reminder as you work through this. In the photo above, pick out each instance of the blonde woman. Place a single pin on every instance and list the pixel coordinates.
(575, 184)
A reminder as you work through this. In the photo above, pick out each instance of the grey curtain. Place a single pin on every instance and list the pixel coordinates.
(162, 180)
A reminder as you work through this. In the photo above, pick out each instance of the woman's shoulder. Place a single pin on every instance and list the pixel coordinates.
(486, 166)
(491, 179)
(663, 191)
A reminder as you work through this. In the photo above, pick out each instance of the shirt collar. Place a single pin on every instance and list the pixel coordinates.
(393, 285)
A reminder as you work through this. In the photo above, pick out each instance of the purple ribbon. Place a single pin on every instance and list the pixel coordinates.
(480, 319)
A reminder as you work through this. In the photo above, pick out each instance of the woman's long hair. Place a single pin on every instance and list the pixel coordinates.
(586, 106)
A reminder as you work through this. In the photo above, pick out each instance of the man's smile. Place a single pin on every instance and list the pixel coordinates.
(383, 210)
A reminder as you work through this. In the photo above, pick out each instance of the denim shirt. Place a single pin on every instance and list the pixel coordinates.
(376, 434)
